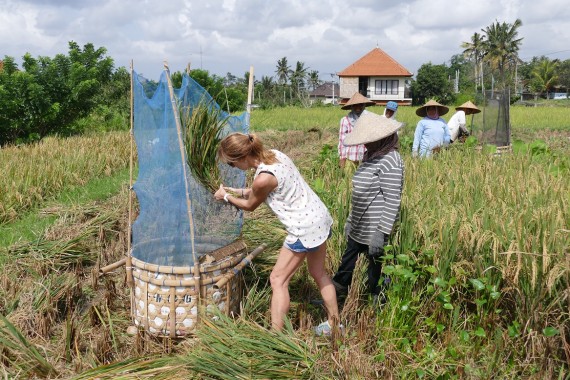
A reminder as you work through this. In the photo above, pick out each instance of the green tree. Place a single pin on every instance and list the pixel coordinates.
(502, 45)
(432, 83)
(50, 94)
(458, 64)
(544, 76)
(282, 70)
(298, 78)
(314, 80)
(563, 74)
(475, 50)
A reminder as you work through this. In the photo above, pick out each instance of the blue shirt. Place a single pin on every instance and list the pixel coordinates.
(430, 134)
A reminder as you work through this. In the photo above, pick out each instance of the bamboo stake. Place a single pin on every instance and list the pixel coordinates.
(110, 267)
(128, 261)
(245, 261)
(250, 89)
(183, 158)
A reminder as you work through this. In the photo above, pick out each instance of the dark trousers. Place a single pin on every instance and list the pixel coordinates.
(345, 271)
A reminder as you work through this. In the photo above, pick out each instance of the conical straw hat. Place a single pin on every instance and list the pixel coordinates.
(371, 127)
(469, 108)
(357, 98)
(422, 111)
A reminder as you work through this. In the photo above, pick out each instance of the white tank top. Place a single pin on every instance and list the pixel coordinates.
(295, 204)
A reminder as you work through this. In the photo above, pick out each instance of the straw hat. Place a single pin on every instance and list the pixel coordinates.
(357, 98)
(422, 111)
(371, 127)
(469, 108)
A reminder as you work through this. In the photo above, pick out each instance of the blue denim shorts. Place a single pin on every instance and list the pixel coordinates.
(298, 247)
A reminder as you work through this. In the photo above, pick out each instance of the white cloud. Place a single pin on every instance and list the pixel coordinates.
(230, 35)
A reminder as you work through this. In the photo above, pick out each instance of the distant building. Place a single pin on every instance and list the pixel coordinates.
(378, 77)
(328, 93)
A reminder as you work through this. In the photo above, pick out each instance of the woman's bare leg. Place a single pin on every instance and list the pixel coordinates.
(287, 264)
(316, 264)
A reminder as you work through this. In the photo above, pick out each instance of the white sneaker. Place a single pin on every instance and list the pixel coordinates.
(325, 329)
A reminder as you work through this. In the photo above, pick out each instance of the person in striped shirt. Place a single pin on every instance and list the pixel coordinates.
(356, 104)
(376, 197)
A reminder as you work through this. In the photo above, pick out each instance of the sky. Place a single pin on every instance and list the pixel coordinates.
(230, 36)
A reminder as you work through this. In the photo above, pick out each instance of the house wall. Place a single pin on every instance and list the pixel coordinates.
(348, 86)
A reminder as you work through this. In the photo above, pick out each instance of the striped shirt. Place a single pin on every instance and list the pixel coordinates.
(354, 152)
(376, 196)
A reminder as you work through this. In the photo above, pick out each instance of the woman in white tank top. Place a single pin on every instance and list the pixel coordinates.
(278, 183)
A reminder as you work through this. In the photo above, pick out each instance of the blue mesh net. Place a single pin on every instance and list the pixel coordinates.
(164, 232)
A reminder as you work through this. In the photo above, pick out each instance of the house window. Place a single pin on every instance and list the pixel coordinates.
(384, 87)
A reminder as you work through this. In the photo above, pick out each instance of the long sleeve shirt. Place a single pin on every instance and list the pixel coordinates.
(376, 196)
(355, 152)
(456, 123)
(430, 134)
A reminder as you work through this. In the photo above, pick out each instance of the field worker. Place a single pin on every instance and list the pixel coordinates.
(356, 104)
(278, 183)
(391, 109)
(457, 122)
(432, 132)
(376, 195)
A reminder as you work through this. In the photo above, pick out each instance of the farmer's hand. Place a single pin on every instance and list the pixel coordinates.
(219, 194)
(376, 245)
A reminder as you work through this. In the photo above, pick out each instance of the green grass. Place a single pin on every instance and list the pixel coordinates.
(33, 223)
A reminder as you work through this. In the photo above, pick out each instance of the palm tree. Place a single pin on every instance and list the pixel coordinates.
(502, 46)
(476, 51)
(544, 75)
(314, 80)
(299, 76)
(282, 70)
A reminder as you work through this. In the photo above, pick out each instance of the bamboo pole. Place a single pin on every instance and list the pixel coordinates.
(250, 89)
(244, 262)
(128, 264)
(183, 158)
(110, 267)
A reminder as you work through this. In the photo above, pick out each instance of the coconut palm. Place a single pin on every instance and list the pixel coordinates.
(299, 76)
(544, 75)
(282, 70)
(314, 80)
(476, 50)
(502, 46)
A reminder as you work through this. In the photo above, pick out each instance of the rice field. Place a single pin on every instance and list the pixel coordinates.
(480, 267)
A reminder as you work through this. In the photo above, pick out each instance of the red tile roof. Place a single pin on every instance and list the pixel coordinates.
(375, 63)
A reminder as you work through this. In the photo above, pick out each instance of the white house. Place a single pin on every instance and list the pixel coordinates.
(378, 77)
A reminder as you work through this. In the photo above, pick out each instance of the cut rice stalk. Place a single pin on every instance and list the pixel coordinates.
(202, 126)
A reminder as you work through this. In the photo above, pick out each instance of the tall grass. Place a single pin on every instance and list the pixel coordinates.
(479, 269)
(34, 173)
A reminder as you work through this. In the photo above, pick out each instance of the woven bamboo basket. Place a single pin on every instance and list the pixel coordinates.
(169, 301)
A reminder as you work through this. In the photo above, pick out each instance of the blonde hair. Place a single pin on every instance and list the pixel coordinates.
(239, 145)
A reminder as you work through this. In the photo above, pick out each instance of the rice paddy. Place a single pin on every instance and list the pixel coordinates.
(479, 267)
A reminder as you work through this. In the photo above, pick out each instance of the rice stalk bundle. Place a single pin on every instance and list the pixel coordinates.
(249, 351)
(52, 291)
(202, 126)
(42, 254)
(165, 367)
(21, 354)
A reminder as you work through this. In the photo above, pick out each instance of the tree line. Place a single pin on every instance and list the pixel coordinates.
(490, 61)
(82, 90)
